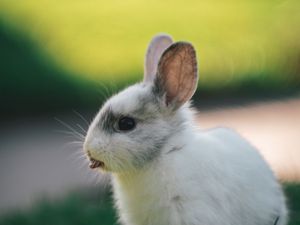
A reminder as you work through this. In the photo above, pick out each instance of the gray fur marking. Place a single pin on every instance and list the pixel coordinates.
(108, 120)
(174, 149)
(276, 221)
(176, 198)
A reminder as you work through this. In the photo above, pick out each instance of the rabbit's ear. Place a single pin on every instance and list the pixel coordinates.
(155, 49)
(177, 74)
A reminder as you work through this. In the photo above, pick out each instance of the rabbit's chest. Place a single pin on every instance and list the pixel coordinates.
(144, 205)
(150, 210)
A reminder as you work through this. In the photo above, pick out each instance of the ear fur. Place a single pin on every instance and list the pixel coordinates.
(155, 49)
(177, 74)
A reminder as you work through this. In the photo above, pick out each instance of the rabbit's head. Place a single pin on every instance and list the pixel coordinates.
(133, 126)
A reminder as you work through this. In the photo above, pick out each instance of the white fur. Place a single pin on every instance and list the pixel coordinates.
(166, 171)
(217, 178)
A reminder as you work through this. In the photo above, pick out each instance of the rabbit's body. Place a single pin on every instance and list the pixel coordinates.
(165, 170)
(213, 177)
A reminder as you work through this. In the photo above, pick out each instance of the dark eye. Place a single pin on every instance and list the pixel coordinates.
(126, 123)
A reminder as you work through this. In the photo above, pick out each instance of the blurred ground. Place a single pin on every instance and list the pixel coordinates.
(273, 127)
(36, 161)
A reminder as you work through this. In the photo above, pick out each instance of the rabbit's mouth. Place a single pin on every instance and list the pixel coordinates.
(96, 164)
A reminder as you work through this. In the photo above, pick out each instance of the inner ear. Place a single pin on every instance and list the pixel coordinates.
(177, 74)
(155, 49)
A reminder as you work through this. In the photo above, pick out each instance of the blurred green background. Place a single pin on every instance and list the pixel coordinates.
(55, 54)
(82, 209)
(59, 56)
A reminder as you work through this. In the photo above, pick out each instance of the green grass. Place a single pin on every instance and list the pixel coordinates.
(87, 209)
(293, 198)
(75, 209)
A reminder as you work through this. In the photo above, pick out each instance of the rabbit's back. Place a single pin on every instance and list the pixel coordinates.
(213, 177)
(237, 180)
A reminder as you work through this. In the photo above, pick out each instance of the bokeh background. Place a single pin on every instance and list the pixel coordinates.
(59, 60)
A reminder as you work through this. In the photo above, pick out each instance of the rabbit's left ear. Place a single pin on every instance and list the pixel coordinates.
(155, 49)
(177, 74)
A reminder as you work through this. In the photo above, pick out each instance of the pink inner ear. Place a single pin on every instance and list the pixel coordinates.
(177, 72)
(156, 48)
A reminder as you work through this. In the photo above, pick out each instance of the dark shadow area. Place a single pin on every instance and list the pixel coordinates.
(85, 207)
(30, 85)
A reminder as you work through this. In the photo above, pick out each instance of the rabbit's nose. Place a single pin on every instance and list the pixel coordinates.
(90, 145)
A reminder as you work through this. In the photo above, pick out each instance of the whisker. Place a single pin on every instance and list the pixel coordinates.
(75, 143)
(82, 117)
(70, 127)
(79, 153)
(95, 178)
(107, 88)
(70, 134)
(84, 164)
(76, 158)
(103, 91)
(81, 128)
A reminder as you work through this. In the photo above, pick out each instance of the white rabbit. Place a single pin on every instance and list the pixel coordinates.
(165, 171)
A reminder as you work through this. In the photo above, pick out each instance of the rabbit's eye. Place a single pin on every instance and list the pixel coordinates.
(126, 123)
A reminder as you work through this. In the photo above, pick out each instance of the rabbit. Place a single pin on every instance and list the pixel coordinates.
(167, 171)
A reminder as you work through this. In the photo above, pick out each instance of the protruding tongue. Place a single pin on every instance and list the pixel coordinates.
(96, 164)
